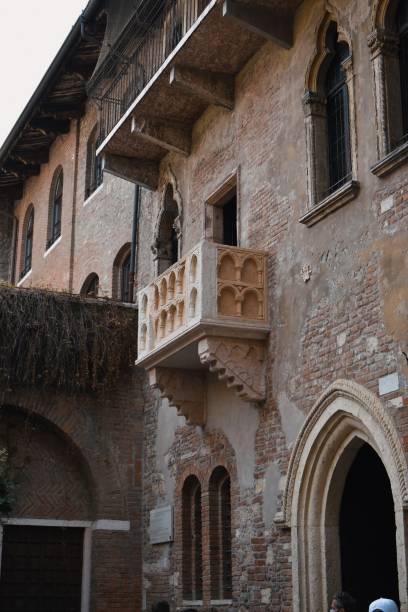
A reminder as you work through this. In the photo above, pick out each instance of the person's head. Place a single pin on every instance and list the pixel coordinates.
(161, 606)
(342, 602)
(383, 605)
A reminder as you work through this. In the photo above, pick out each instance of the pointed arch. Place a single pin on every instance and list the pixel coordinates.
(55, 207)
(167, 244)
(345, 416)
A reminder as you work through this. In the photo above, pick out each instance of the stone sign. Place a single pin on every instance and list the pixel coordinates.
(161, 525)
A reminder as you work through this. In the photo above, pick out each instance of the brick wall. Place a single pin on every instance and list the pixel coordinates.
(348, 321)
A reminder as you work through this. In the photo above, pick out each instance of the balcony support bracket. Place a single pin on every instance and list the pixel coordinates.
(239, 362)
(185, 389)
(140, 171)
(271, 23)
(172, 136)
(212, 87)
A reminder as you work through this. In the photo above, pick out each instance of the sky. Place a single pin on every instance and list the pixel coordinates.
(31, 34)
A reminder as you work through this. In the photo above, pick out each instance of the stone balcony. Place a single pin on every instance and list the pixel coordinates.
(207, 311)
(187, 60)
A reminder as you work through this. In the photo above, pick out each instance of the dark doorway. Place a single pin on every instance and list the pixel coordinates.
(367, 532)
(41, 569)
(229, 211)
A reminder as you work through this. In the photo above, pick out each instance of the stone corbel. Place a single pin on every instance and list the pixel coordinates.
(239, 362)
(185, 389)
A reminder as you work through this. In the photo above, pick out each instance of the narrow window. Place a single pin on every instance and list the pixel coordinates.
(220, 535)
(90, 288)
(402, 28)
(222, 214)
(166, 245)
(125, 280)
(192, 540)
(28, 242)
(54, 228)
(338, 128)
(94, 171)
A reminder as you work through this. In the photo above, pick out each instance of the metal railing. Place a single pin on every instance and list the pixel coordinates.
(151, 47)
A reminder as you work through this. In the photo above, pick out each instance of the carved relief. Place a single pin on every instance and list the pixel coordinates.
(185, 389)
(240, 363)
(241, 283)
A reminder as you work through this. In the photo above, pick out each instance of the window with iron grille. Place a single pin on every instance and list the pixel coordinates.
(402, 28)
(94, 170)
(338, 126)
(220, 534)
(192, 540)
(54, 228)
(28, 242)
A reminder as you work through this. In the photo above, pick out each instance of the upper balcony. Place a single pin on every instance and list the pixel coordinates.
(207, 310)
(178, 62)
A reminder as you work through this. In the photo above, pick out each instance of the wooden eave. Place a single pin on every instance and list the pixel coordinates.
(50, 111)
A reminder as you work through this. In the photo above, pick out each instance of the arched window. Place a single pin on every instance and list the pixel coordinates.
(90, 288)
(338, 125)
(166, 245)
(330, 125)
(94, 171)
(220, 534)
(121, 274)
(55, 210)
(28, 235)
(192, 540)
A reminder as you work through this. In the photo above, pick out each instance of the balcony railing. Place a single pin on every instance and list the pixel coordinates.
(214, 284)
(152, 46)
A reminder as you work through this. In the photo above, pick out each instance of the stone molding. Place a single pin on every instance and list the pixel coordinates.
(372, 405)
(184, 389)
(335, 200)
(241, 363)
(390, 162)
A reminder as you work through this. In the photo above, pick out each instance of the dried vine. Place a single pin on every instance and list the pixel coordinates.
(58, 340)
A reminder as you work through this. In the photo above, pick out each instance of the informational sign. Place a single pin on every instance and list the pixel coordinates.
(161, 525)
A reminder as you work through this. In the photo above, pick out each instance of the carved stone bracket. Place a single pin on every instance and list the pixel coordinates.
(185, 389)
(241, 363)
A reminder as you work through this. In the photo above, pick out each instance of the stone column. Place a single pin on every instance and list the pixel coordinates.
(383, 46)
(316, 141)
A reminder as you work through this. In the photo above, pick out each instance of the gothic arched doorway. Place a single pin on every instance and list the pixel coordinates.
(367, 531)
(347, 441)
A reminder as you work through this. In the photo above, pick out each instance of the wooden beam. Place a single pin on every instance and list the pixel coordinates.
(21, 170)
(170, 135)
(32, 157)
(51, 125)
(212, 87)
(143, 172)
(272, 23)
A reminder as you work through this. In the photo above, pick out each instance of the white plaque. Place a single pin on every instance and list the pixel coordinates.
(161, 525)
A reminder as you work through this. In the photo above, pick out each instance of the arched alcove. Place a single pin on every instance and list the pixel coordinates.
(345, 418)
(166, 245)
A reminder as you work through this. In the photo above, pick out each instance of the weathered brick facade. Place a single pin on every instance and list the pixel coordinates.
(337, 299)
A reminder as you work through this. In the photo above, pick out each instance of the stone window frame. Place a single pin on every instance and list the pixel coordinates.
(314, 106)
(169, 182)
(214, 203)
(30, 214)
(117, 271)
(94, 169)
(51, 236)
(383, 43)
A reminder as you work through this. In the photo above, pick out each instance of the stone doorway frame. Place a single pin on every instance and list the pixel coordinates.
(344, 417)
